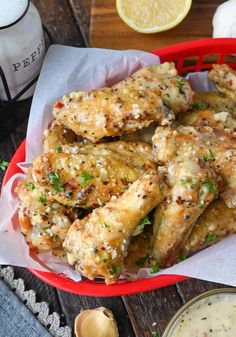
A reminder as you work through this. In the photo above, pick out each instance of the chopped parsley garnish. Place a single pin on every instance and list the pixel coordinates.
(199, 106)
(105, 225)
(3, 164)
(105, 260)
(206, 158)
(211, 237)
(42, 198)
(208, 187)
(56, 181)
(114, 270)
(30, 185)
(192, 186)
(145, 221)
(154, 268)
(182, 258)
(185, 181)
(86, 177)
(54, 237)
(58, 149)
(141, 261)
(180, 85)
(202, 204)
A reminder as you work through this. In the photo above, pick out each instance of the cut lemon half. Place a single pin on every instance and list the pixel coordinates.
(152, 16)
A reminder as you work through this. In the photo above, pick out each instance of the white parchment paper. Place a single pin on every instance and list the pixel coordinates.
(66, 69)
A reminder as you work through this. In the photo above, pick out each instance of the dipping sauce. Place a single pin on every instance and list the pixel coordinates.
(212, 314)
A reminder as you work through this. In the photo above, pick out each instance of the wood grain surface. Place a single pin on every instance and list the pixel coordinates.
(109, 31)
(137, 315)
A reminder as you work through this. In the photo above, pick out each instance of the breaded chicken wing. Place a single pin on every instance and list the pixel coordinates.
(215, 147)
(90, 175)
(174, 90)
(217, 222)
(97, 244)
(193, 187)
(43, 223)
(224, 78)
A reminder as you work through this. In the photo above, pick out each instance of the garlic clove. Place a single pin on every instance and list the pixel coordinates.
(98, 322)
(224, 20)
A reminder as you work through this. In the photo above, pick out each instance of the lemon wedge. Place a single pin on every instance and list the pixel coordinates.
(152, 16)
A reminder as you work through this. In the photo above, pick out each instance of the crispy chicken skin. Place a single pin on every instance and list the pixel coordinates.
(57, 135)
(193, 187)
(44, 224)
(224, 78)
(88, 179)
(110, 112)
(217, 222)
(130, 105)
(207, 117)
(97, 244)
(215, 101)
(215, 147)
(175, 92)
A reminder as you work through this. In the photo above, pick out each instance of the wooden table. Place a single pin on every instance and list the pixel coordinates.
(68, 22)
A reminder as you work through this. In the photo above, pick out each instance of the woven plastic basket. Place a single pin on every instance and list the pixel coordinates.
(189, 57)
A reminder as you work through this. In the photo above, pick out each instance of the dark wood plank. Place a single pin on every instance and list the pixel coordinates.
(151, 311)
(81, 11)
(193, 287)
(58, 18)
(73, 304)
(107, 30)
(44, 292)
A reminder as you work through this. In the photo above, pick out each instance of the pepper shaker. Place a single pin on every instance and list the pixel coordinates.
(22, 46)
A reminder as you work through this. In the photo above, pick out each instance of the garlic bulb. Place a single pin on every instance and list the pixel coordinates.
(98, 322)
(224, 20)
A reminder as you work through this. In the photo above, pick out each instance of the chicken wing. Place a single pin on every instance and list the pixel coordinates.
(56, 136)
(97, 244)
(215, 147)
(110, 112)
(207, 117)
(44, 224)
(217, 222)
(224, 78)
(93, 175)
(174, 90)
(214, 101)
(126, 107)
(193, 187)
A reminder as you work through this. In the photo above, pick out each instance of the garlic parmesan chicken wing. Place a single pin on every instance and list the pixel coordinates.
(89, 176)
(44, 224)
(98, 243)
(130, 105)
(215, 147)
(217, 222)
(174, 90)
(224, 78)
(215, 101)
(207, 117)
(56, 136)
(193, 187)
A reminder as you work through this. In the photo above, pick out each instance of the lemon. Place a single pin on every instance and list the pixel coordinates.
(152, 16)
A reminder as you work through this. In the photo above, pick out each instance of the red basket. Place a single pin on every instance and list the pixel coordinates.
(199, 52)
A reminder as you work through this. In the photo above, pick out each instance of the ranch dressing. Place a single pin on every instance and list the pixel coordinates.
(21, 45)
(212, 316)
